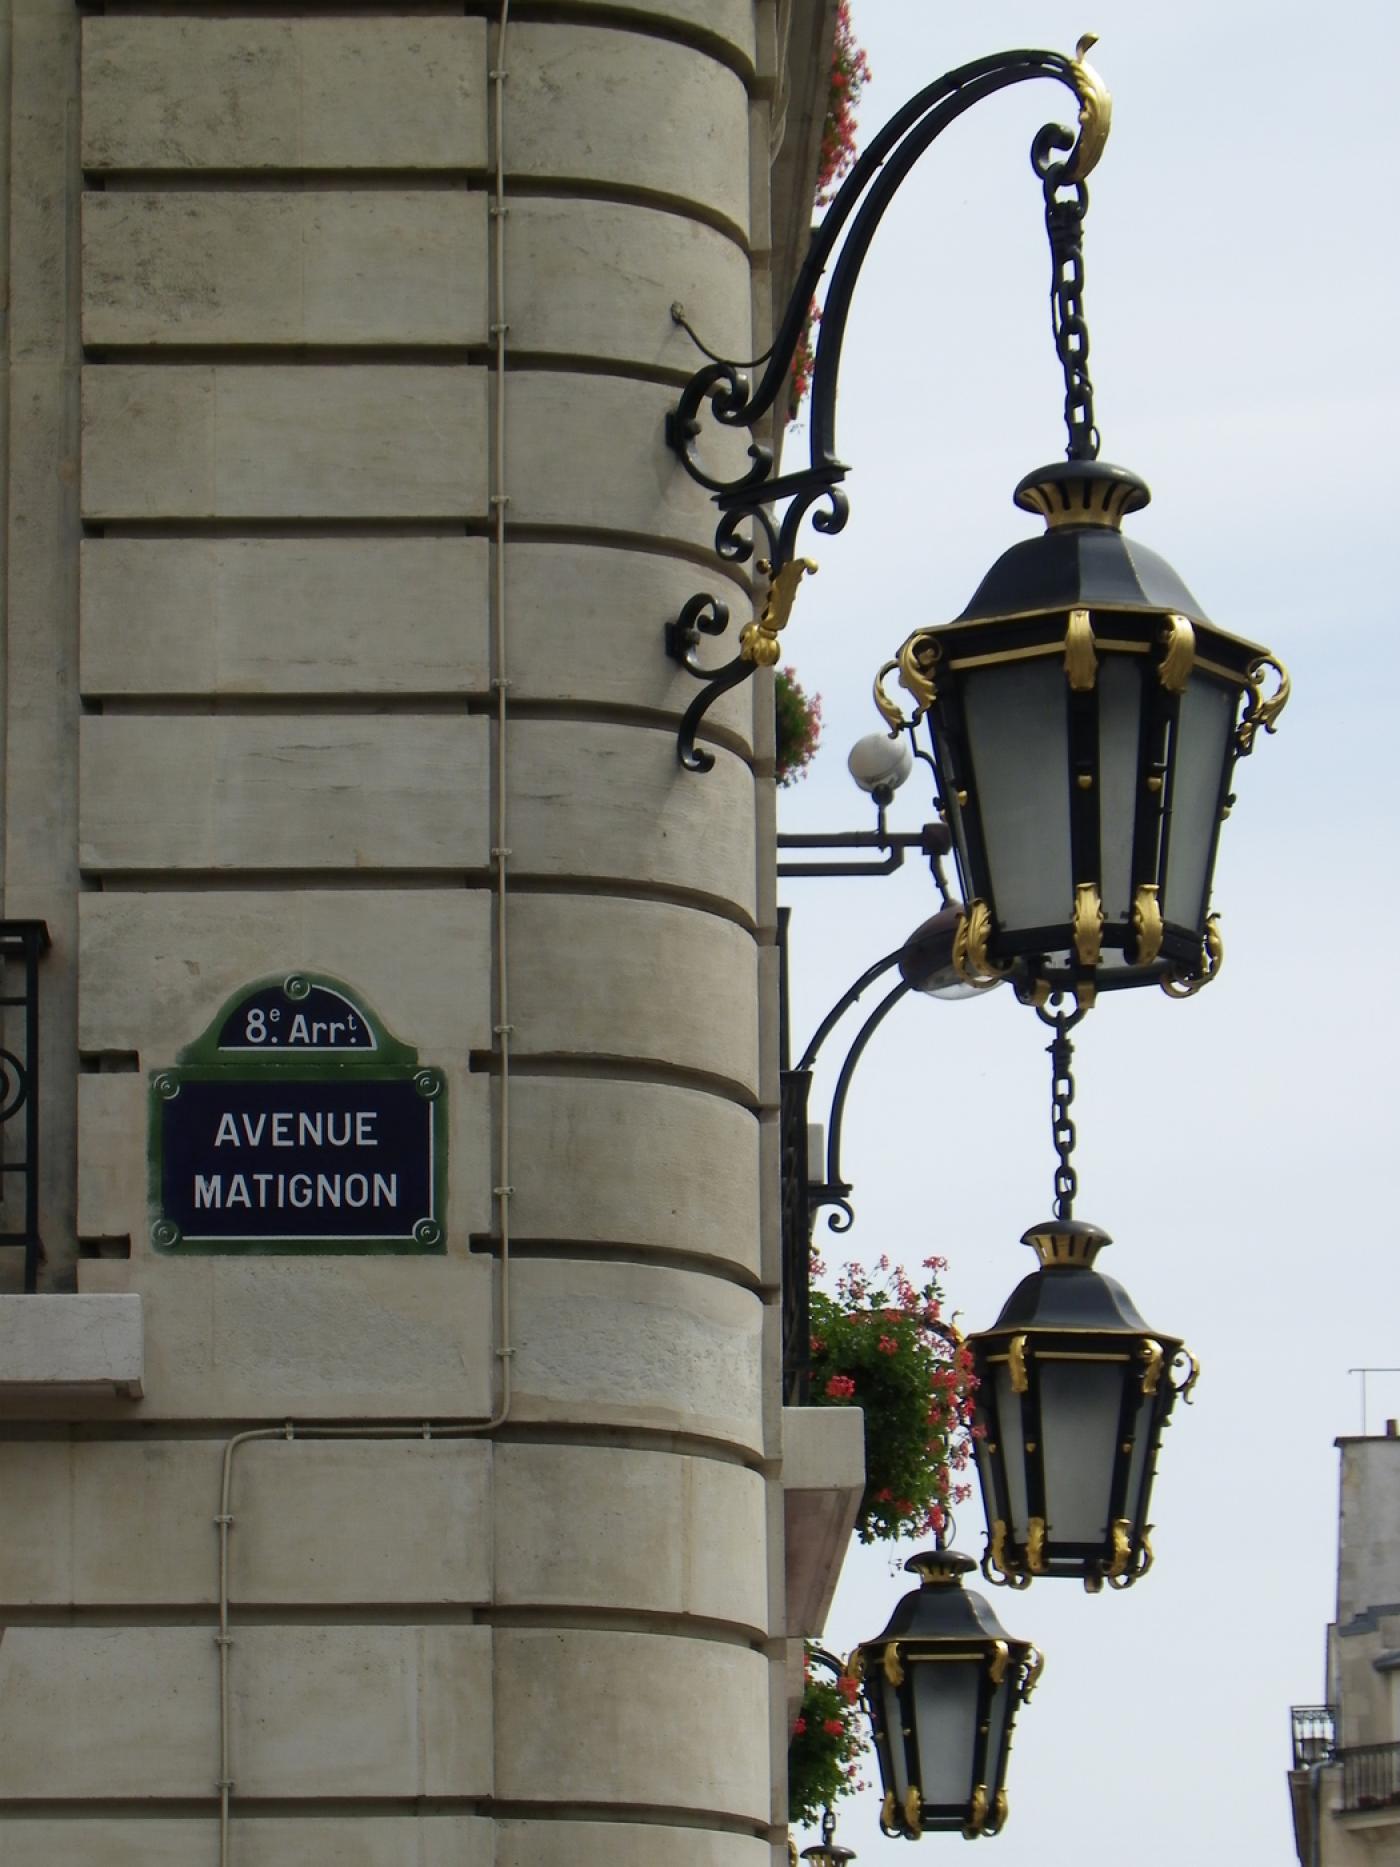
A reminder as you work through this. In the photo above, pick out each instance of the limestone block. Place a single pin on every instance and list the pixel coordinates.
(319, 792)
(614, 802)
(112, 1175)
(283, 441)
(324, 267)
(575, 1147)
(193, 1841)
(632, 1345)
(36, 1549)
(70, 1341)
(388, 1521)
(311, 1337)
(284, 616)
(648, 1532)
(770, 1156)
(652, 1719)
(600, 106)
(609, 1844)
(586, 624)
(730, 21)
(596, 976)
(156, 967)
(336, 93)
(727, 1551)
(316, 1522)
(131, 1712)
(769, 989)
(591, 451)
(626, 266)
(364, 1711)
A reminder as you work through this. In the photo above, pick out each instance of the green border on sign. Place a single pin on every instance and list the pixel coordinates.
(389, 1062)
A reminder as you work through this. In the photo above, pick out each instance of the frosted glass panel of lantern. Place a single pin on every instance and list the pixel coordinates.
(1019, 738)
(1079, 1410)
(1013, 1452)
(1120, 729)
(1202, 740)
(894, 1732)
(945, 1717)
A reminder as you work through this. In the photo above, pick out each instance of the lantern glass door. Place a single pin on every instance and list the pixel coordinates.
(945, 1716)
(1017, 735)
(1203, 730)
(1080, 1403)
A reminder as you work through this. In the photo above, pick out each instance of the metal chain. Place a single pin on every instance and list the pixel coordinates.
(1061, 1052)
(1064, 222)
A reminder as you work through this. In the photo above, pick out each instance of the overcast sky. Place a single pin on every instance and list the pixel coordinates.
(1241, 296)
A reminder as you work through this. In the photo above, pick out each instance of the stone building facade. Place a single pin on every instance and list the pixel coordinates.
(341, 535)
(1345, 1781)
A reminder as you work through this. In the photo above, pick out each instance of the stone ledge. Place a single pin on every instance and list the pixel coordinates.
(823, 1479)
(72, 1341)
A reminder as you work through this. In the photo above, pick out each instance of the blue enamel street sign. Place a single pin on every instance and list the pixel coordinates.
(297, 1123)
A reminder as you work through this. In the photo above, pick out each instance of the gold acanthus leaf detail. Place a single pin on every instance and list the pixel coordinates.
(1148, 927)
(1095, 112)
(1262, 709)
(1088, 924)
(1174, 669)
(758, 641)
(1081, 663)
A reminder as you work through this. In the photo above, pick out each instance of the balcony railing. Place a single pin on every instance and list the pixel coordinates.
(1370, 1776)
(22, 945)
(1314, 1735)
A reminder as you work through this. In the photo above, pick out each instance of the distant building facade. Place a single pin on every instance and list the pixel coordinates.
(1345, 1780)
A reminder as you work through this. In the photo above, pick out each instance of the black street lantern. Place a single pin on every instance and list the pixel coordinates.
(1085, 718)
(942, 1685)
(1074, 1391)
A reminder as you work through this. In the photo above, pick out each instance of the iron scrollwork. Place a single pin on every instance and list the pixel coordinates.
(759, 505)
(22, 945)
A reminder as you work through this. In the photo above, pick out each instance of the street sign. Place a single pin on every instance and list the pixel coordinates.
(297, 1123)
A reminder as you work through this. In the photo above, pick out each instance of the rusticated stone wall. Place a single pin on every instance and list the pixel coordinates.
(250, 727)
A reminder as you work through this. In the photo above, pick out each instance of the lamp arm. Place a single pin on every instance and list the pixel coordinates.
(747, 501)
(842, 1006)
(861, 202)
(843, 1087)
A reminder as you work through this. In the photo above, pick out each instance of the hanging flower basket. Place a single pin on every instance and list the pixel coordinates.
(850, 73)
(797, 727)
(883, 1346)
(825, 1747)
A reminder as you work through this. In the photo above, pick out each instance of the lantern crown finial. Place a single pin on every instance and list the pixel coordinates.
(1082, 492)
(1064, 1244)
(937, 1567)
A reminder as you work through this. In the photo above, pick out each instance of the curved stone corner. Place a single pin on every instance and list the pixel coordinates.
(577, 1141)
(618, 1344)
(616, 1695)
(605, 976)
(594, 800)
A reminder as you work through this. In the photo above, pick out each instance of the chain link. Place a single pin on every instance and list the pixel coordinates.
(1061, 1053)
(1064, 222)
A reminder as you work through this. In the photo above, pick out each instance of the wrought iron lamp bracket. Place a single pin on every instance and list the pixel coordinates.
(775, 506)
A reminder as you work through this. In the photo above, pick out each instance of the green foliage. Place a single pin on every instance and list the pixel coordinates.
(885, 1349)
(798, 724)
(825, 1748)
